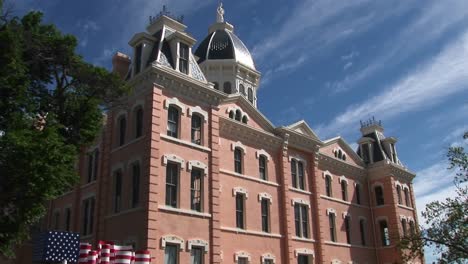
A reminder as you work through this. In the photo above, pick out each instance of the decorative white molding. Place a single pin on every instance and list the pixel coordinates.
(246, 116)
(345, 214)
(176, 102)
(120, 114)
(197, 164)
(331, 211)
(403, 217)
(264, 153)
(336, 261)
(304, 251)
(172, 239)
(138, 103)
(238, 144)
(300, 201)
(233, 108)
(265, 195)
(375, 184)
(342, 178)
(242, 254)
(173, 158)
(325, 173)
(242, 190)
(197, 109)
(197, 243)
(297, 158)
(405, 186)
(397, 183)
(268, 256)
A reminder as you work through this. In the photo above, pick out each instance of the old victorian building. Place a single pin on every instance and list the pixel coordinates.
(188, 167)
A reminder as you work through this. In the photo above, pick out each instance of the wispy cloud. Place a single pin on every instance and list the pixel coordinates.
(86, 27)
(439, 77)
(283, 67)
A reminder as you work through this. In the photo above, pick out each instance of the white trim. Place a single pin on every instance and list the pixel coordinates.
(345, 214)
(119, 114)
(198, 243)
(336, 261)
(325, 173)
(245, 115)
(197, 164)
(173, 158)
(375, 184)
(268, 256)
(297, 158)
(343, 178)
(264, 153)
(304, 251)
(250, 232)
(242, 254)
(356, 183)
(186, 143)
(331, 211)
(405, 186)
(183, 211)
(138, 103)
(247, 177)
(403, 217)
(397, 183)
(172, 239)
(300, 201)
(176, 102)
(242, 190)
(238, 144)
(197, 109)
(265, 195)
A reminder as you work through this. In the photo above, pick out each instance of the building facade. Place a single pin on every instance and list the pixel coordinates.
(188, 167)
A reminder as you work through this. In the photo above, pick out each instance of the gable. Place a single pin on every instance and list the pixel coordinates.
(303, 128)
(340, 149)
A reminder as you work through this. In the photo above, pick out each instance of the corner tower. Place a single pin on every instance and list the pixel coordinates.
(227, 62)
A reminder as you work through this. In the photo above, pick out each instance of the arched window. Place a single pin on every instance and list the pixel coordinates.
(231, 114)
(344, 190)
(216, 85)
(347, 222)
(238, 115)
(238, 160)
(384, 233)
(135, 184)
(227, 87)
(407, 198)
(362, 229)
(250, 95)
(294, 172)
(398, 190)
(328, 186)
(138, 122)
(122, 130)
(379, 196)
(340, 154)
(403, 227)
(242, 89)
(262, 168)
(173, 121)
(358, 193)
(244, 119)
(331, 221)
(412, 228)
(196, 129)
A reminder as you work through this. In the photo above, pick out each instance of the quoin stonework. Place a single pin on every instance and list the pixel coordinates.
(188, 167)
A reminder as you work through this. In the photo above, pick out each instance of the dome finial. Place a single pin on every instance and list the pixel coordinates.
(220, 13)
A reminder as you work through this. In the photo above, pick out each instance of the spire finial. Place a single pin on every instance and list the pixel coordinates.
(220, 13)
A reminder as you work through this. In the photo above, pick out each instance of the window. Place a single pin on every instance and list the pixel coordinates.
(238, 160)
(56, 220)
(412, 228)
(227, 87)
(138, 58)
(379, 198)
(240, 211)
(196, 129)
(93, 165)
(238, 115)
(250, 95)
(398, 190)
(122, 130)
(216, 85)
(268, 261)
(365, 152)
(242, 89)
(196, 183)
(328, 186)
(244, 119)
(385, 236)
(344, 190)
(67, 219)
(301, 220)
(197, 255)
(403, 227)
(183, 58)
(407, 197)
(394, 156)
(231, 114)
(117, 191)
(135, 185)
(362, 229)
(139, 122)
(173, 121)
(358, 193)
(302, 259)
(265, 215)
(262, 168)
(242, 260)
(331, 221)
(172, 184)
(88, 216)
(297, 173)
(171, 255)
(347, 222)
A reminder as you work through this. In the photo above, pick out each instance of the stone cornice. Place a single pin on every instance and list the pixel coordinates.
(300, 141)
(387, 168)
(345, 168)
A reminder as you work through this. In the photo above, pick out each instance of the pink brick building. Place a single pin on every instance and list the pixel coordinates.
(188, 167)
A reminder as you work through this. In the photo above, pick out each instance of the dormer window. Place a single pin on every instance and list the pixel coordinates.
(183, 58)
(250, 95)
(138, 51)
(394, 156)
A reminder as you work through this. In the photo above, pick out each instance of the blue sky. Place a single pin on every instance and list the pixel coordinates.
(331, 63)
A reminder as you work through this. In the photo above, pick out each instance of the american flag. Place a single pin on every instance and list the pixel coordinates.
(56, 246)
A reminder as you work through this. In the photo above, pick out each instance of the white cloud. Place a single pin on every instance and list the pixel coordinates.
(439, 77)
(347, 65)
(283, 67)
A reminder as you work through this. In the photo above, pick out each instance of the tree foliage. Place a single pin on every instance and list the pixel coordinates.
(51, 106)
(446, 221)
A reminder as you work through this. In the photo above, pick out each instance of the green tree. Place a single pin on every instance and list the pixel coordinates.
(51, 106)
(446, 221)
